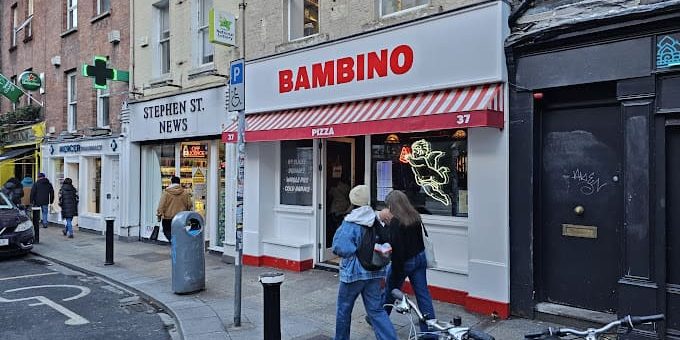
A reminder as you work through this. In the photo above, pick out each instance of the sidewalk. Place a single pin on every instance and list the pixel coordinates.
(307, 298)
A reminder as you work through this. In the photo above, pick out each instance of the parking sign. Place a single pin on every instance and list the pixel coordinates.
(237, 88)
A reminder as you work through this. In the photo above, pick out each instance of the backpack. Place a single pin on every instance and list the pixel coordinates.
(367, 256)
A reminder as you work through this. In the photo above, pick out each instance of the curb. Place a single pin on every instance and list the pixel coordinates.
(135, 290)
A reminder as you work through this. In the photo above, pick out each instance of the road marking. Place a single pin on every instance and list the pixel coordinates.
(26, 276)
(73, 318)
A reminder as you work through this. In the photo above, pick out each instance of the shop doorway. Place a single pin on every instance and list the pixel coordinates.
(344, 164)
(581, 203)
(672, 230)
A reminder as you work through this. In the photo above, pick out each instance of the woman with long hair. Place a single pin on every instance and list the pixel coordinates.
(408, 252)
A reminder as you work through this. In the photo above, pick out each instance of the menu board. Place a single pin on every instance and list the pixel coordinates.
(296, 174)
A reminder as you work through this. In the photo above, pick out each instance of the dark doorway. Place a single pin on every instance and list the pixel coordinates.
(581, 207)
(673, 230)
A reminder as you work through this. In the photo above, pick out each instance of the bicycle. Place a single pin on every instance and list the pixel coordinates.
(441, 329)
(595, 333)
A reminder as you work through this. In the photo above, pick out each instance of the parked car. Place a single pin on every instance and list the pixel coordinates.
(16, 229)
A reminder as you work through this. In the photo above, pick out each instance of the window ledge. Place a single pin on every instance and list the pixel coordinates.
(100, 16)
(160, 81)
(202, 71)
(403, 12)
(13, 48)
(72, 30)
(28, 38)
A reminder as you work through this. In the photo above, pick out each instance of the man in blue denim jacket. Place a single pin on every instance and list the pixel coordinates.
(354, 279)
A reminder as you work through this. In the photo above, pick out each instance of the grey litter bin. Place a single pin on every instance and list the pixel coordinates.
(188, 253)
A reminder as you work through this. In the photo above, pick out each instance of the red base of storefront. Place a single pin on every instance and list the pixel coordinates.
(471, 303)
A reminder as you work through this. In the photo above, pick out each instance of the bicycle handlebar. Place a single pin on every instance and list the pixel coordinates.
(628, 321)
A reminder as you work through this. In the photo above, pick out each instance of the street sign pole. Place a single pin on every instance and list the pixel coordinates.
(241, 146)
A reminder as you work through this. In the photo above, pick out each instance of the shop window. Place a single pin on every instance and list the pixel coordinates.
(71, 14)
(429, 167)
(194, 173)
(165, 156)
(297, 172)
(303, 18)
(95, 185)
(72, 101)
(388, 7)
(163, 23)
(206, 49)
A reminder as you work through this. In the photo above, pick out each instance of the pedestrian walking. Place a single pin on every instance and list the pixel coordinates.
(408, 253)
(14, 190)
(27, 186)
(354, 279)
(68, 201)
(42, 195)
(174, 200)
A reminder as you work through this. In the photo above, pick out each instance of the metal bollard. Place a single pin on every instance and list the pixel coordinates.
(36, 224)
(271, 282)
(109, 241)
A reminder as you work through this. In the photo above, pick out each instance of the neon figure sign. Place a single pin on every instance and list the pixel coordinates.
(428, 174)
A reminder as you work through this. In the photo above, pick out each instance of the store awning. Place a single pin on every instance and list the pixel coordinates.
(15, 153)
(475, 106)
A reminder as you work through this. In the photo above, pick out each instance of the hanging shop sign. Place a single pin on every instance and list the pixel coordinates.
(30, 81)
(451, 50)
(193, 114)
(9, 90)
(222, 28)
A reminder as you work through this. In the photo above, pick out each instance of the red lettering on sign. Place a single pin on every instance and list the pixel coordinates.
(343, 70)
(285, 81)
(302, 80)
(377, 64)
(322, 74)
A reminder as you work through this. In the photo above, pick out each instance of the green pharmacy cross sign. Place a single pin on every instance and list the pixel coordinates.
(101, 73)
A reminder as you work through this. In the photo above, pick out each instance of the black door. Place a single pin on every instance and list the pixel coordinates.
(673, 232)
(581, 205)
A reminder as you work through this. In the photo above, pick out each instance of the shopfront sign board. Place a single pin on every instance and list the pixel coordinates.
(456, 49)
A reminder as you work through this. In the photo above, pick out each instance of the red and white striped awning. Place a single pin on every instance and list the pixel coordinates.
(475, 106)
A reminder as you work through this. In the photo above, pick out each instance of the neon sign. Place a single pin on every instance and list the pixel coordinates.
(428, 174)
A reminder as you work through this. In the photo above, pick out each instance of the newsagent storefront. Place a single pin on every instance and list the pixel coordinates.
(180, 136)
(396, 109)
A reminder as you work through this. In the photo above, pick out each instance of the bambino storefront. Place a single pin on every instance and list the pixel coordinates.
(180, 136)
(417, 107)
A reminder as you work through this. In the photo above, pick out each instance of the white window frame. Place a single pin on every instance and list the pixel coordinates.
(382, 15)
(72, 102)
(15, 24)
(29, 10)
(71, 14)
(161, 39)
(302, 16)
(102, 97)
(201, 31)
(100, 6)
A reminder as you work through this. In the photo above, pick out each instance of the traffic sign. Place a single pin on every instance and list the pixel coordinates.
(237, 88)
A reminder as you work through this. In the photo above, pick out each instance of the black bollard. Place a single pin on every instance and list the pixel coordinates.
(271, 282)
(109, 241)
(36, 224)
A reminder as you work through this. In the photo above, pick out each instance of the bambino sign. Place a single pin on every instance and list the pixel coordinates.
(396, 61)
(454, 49)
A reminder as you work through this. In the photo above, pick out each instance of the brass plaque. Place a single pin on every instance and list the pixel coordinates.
(575, 230)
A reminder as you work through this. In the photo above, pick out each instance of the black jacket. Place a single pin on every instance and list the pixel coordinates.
(14, 190)
(68, 201)
(42, 192)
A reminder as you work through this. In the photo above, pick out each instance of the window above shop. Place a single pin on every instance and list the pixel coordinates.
(162, 23)
(429, 167)
(303, 18)
(204, 49)
(388, 7)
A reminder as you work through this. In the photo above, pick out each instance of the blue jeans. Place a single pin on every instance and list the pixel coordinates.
(69, 226)
(44, 209)
(415, 269)
(371, 294)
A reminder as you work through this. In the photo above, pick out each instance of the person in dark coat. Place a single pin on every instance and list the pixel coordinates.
(42, 195)
(68, 201)
(14, 190)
